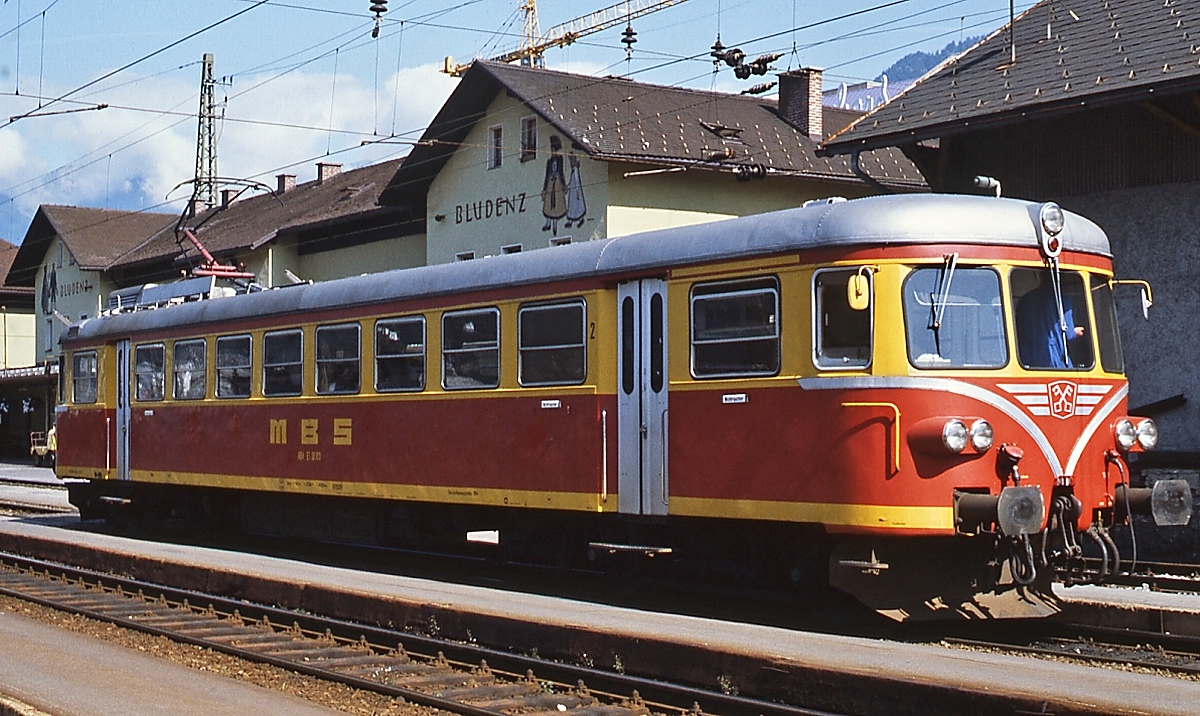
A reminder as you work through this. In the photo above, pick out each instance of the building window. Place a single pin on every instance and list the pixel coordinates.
(471, 349)
(191, 371)
(552, 346)
(464, 256)
(400, 354)
(83, 377)
(735, 328)
(842, 335)
(233, 367)
(511, 249)
(338, 368)
(495, 148)
(560, 241)
(528, 138)
(283, 369)
(149, 364)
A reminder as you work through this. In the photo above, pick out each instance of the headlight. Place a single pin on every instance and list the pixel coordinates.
(1053, 221)
(954, 435)
(981, 435)
(1125, 434)
(1147, 434)
(1052, 218)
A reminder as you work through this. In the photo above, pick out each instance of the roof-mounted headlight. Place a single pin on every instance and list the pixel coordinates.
(1052, 220)
(982, 435)
(955, 436)
(1147, 434)
(1125, 434)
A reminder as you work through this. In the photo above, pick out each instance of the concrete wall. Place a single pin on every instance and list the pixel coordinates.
(1155, 235)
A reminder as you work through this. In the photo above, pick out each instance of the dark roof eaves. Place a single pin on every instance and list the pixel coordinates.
(1059, 107)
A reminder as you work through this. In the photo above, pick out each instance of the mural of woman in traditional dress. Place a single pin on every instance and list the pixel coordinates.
(554, 188)
(576, 205)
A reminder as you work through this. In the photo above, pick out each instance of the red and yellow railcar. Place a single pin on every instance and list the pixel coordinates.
(924, 394)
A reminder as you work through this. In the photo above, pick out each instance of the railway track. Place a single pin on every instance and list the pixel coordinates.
(1094, 644)
(452, 676)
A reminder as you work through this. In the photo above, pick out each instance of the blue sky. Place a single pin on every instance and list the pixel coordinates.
(306, 82)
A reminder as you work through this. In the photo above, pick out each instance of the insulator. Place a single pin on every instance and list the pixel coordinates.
(741, 71)
(760, 88)
(628, 36)
(733, 57)
(379, 7)
(768, 58)
(718, 50)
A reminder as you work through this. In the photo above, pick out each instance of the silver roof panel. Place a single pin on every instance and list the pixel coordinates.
(872, 221)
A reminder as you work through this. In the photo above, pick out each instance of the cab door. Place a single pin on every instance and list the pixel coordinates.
(642, 397)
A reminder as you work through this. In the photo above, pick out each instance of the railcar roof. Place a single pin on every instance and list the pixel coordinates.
(913, 219)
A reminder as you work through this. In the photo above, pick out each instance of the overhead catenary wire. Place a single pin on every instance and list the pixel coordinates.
(330, 130)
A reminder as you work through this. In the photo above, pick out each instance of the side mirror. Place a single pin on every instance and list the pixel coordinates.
(1147, 295)
(858, 290)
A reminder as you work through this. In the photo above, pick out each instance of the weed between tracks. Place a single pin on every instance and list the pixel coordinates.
(334, 696)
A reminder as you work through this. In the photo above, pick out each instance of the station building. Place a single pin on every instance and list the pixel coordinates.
(521, 158)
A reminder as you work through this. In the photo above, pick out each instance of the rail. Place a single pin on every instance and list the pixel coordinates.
(459, 678)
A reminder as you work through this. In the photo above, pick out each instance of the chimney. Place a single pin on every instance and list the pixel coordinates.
(327, 171)
(800, 101)
(285, 183)
(227, 196)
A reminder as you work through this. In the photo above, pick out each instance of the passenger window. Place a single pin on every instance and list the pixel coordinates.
(191, 379)
(283, 369)
(552, 344)
(1044, 342)
(954, 318)
(338, 367)
(471, 349)
(735, 328)
(148, 369)
(83, 377)
(233, 367)
(1107, 335)
(400, 354)
(842, 336)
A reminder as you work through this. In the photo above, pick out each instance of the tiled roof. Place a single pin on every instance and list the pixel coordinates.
(253, 221)
(616, 119)
(8, 253)
(1071, 56)
(93, 236)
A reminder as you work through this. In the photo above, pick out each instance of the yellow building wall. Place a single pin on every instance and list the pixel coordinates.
(401, 252)
(664, 199)
(19, 335)
(474, 208)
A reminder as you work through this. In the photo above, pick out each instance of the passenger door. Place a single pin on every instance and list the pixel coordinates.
(642, 397)
(123, 410)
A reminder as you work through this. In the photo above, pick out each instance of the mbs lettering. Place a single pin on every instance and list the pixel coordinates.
(342, 430)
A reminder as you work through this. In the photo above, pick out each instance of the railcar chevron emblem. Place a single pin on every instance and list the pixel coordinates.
(1061, 399)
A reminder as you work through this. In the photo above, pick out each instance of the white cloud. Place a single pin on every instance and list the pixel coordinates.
(130, 159)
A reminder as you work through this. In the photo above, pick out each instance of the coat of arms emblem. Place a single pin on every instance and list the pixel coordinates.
(1062, 398)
